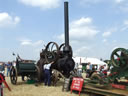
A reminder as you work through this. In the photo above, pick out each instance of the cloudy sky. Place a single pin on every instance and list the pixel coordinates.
(96, 27)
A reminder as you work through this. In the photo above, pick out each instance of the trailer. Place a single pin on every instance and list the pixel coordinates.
(24, 68)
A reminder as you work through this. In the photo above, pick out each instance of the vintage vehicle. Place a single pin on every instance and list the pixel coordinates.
(61, 55)
(24, 68)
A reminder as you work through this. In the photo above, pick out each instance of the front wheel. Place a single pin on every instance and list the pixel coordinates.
(13, 75)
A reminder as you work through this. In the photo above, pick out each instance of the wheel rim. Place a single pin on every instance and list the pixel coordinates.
(13, 75)
(51, 52)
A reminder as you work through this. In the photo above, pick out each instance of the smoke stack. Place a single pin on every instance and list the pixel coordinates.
(66, 48)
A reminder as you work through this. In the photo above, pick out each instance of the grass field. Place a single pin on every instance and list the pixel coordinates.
(24, 89)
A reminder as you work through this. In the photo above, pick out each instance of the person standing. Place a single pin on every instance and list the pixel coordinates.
(2, 68)
(88, 69)
(79, 70)
(47, 73)
(9, 64)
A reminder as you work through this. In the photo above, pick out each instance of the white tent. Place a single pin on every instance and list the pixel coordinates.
(79, 59)
(86, 60)
(93, 61)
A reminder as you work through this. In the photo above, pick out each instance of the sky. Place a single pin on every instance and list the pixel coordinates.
(96, 27)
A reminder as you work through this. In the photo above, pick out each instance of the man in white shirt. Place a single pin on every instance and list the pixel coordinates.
(47, 75)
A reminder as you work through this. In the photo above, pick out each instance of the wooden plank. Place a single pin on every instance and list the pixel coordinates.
(112, 92)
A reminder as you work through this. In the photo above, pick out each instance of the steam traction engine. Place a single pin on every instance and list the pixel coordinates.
(61, 55)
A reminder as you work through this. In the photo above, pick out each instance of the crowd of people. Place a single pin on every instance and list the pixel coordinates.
(8, 66)
(89, 68)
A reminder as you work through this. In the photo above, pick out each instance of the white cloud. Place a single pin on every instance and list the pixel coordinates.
(81, 51)
(90, 1)
(26, 42)
(43, 4)
(125, 25)
(104, 40)
(119, 1)
(81, 29)
(106, 34)
(29, 42)
(83, 32)
(30, 47)
(16, 19)
(122, 5)
(126, 22)
(109, 32)
(37, 43)
(99, 1)
(114, 41)
(7, 20)
(81, 22)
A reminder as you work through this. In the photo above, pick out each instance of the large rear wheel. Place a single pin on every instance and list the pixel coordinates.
(38, 73)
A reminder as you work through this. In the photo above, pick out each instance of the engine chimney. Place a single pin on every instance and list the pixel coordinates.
(66, 48)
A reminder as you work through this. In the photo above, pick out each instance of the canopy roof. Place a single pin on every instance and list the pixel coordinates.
(86, 60)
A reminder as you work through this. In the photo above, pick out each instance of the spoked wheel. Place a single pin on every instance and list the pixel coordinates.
(51, 52)
(96, 78)
(54, 77)
(119, 57)
(99, 81)
(13, 75)
(37, 76)
(38, 73)
(62, 47)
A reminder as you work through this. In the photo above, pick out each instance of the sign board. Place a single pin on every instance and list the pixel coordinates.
(77, 84)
